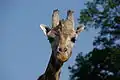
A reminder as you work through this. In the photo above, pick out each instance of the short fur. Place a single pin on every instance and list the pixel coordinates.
(62, 37)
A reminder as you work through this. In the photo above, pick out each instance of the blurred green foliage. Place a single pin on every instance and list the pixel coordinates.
(103, 62)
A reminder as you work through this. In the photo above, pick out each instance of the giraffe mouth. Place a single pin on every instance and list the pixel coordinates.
(63, 57)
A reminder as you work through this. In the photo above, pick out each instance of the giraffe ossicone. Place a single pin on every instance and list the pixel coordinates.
(62, 37)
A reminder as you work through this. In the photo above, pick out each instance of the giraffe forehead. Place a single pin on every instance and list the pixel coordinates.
(65, 37)
(66, 30)
(67, 33)
(66, 27)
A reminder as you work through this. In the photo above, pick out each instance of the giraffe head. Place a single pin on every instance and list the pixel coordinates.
(62, 35)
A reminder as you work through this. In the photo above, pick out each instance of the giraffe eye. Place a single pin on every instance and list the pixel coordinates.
(51, 39)
(73, 39)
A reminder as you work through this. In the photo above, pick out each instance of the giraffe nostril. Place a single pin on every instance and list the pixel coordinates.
(65, 49)
(62, 49)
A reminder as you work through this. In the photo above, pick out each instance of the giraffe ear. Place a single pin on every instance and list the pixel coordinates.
(80, 28)
(45, 28)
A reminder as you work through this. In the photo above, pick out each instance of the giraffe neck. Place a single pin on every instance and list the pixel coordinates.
(53, 70)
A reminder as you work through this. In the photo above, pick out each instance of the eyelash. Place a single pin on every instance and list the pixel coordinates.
(51, 39)
(73, 39)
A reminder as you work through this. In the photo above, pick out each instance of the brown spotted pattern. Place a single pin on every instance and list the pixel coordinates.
(62, 37)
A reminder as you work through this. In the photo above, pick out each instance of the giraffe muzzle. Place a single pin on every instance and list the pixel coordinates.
(60, 50)
(62, 54)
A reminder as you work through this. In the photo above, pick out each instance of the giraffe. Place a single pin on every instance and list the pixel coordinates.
(62, 37)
